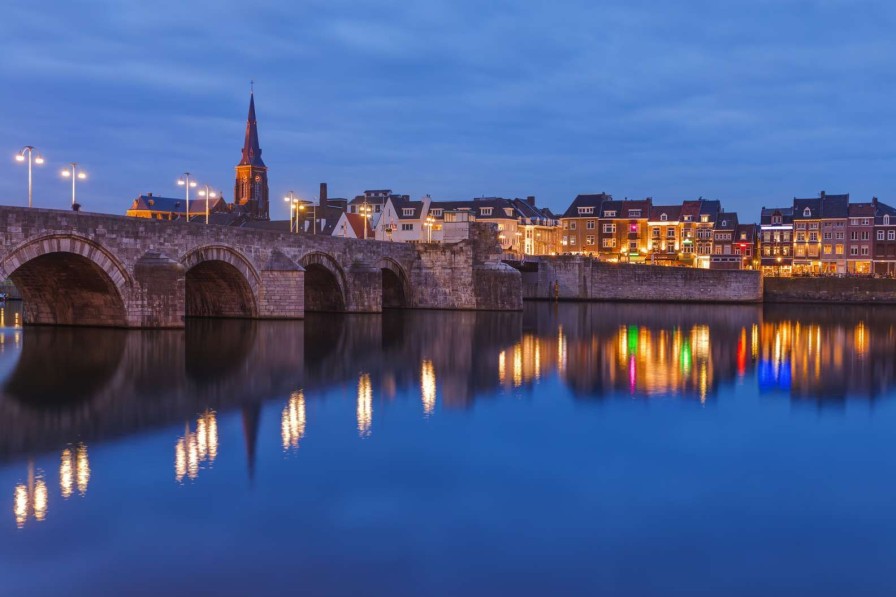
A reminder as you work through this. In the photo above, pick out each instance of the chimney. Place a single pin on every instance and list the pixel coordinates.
(149, 194)
(322, 197)
(822, 194)
(531, 200)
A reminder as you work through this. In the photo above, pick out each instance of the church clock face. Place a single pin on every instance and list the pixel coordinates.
(257, 178)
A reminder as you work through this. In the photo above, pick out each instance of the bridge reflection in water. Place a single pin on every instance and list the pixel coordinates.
(65, 389)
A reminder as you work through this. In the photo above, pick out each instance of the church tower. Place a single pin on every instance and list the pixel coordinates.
(250, 194)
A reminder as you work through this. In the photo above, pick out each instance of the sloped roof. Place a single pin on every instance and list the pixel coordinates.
(726, 221)
(672, 212)
(800, 206)
(357, 222)
(835, 206)
(786, 214)
(173, 205)
(592, 200)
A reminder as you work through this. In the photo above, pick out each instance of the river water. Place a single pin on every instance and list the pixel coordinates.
(570, 449)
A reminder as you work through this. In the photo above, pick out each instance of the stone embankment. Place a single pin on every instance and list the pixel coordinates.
(581, 278)
(830, 290)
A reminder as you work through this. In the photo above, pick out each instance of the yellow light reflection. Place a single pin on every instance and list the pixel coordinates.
(428, 387)
(365, 405)
(194, 448)
(66, 474)
(31, 498)
(82, 469)
(292, 421)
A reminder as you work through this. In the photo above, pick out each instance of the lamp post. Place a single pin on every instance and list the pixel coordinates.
(430, 221)
(365, 210)
(38, 159)
(208, 194)
(187, 183)
(73, 173)
(294, 206)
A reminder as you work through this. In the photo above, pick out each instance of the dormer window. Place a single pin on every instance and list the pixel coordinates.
(704, 219)
(887, 220)
(586, 210)
(634, 213)
(807, 213)
(437, 213)
(485, 211)
(776, 219)
(664, 218)
(610, 213)
(724, 223)
(407, 211)
(508, 211)
(687, 218)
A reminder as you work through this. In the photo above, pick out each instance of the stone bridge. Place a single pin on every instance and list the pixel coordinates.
(78, 268)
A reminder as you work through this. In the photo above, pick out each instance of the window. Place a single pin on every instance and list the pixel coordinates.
(704, 219)
(853, 251)
(854, 221)
(866, 222)
(880, 235)
(589, 240)
(589, 224)
(853, 235)
(865, 235)
(886, 219)
(813, 225)
(586, 210)
(839, 249)
(609, 243)
(800, 225)
(687, 218)
(891, 234)
(807, 213)
(717, 249)
(609, 228)
(800, 237)
(664, 218)
(407, 211)
(610, 213)
(670, 232)
(800, 251)
(767, 236)
(840, 235)
(634, 213)
(767, 251)
(508, 211)
(776, 219)
(485, 211)
(377, 207)
(572, 241)
(633, 246)
(828, 235)
(827, 249)
(565, 225)
(572, 225)
(813, 237)
(407, 227)
(655, 232)
(864, 250)
(437, 213)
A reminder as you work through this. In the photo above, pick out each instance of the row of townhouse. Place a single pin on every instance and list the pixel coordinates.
(523, 228)
(696, 233)
(828, 235)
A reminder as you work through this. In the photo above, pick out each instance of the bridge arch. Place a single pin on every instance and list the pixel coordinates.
(325, 283)
(219, 282)
(396, 284)
(69, 279)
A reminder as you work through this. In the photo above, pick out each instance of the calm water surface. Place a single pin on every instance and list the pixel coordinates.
(571, 449)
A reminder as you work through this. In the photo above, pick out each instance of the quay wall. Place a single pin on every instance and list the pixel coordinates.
(830, 290)
(586, 279)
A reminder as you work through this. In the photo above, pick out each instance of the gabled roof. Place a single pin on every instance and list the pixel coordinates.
(710, 207)
(691, 208)
(358, 222)
(174, 205)
(862, 210)
(726, 221)
(786, 214)
(885, 210)
(749, 230)
(672, 213)
(835, 206)
(496, 204)
(594, 201)
(401, 204)
(800, 207)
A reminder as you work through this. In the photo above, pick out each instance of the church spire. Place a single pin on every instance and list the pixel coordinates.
(251, 149)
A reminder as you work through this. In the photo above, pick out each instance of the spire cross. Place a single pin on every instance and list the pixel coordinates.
(252, 86)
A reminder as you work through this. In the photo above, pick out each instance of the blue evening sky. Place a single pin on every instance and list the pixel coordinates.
(751, 102)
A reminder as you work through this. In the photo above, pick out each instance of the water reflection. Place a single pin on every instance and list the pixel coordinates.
(292, 421)
(67, 387)
(198, 448)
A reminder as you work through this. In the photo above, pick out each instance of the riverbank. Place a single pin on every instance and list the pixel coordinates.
(830, 290)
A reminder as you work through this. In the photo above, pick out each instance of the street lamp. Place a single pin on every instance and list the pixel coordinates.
(73, 173)
(208, 194)
(430, 221)
(38, 159)
(293, 210)
(187, 183)
(365, 211)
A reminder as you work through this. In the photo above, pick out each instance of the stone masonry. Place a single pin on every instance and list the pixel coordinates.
(78, 268)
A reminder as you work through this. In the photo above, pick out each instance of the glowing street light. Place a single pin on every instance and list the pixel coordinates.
(293, 211)
(365, 211)
(73, 173)
(208, 194)
(38, 159)
(429, 223)
(187, 183)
